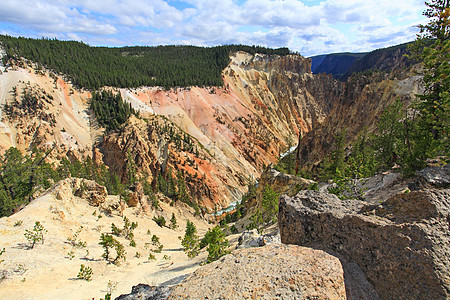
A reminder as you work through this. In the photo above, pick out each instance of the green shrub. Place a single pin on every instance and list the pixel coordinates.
(1, 252)
(107, 241)
(160, 221)
(85, 273)
(115, 230)
(35, 235)
(75, 242)
(173, 222)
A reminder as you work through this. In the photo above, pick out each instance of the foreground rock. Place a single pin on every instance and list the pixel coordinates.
(401, 245)
(270, 272)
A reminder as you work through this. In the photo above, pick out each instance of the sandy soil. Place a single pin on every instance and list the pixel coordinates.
(47, 272)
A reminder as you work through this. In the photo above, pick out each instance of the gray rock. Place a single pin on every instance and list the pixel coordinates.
(269, 272)
(401, 245)
(146, 292)
(250, 239)
(436, 176)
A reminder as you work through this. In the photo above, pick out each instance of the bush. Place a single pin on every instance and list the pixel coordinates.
(1, 252)
(85, 273)
(173, 222)
(160, 221)
(75, 242)
(107, 241)
(115, 230)
(35, 235)
(126, 232)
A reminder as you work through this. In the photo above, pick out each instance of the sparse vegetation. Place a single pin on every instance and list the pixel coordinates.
(126, 232)
(85, 273)
(111, 287)
(160, 220)
(1, 253)
(157, 243)
(36, 235)
(108, 242)
(173, 222)
(75, 242)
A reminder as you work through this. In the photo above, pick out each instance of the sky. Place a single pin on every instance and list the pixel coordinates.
(310, 27)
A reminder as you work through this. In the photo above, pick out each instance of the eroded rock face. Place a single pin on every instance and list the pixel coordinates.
(284, 183)
(94, 193)
(401, 245)
(270, 272)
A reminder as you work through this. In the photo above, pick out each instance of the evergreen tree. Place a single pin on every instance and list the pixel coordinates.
(217, 244)
(433, 47)
(190, 241)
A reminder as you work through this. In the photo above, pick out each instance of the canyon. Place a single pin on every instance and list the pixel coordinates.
(265, 104)
(214, 142)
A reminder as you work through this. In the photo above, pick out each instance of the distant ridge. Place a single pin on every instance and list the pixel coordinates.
(384, 59)
(336, 64)
(343, 65)
(95, 67)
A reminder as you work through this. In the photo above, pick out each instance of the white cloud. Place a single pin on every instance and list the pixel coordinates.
(304, 27)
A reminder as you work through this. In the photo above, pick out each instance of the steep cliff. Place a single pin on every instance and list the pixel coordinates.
(356, 104)
(39, 108)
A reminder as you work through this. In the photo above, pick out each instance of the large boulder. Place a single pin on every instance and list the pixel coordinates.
(401, 245)
(269, 272)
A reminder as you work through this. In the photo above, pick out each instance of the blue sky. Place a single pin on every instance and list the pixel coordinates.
(310, 27)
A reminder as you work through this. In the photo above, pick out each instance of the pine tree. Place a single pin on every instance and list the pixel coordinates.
(190, 241)
(217, 244)
(433, 47)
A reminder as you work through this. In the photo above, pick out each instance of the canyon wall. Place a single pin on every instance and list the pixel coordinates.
(236, 130)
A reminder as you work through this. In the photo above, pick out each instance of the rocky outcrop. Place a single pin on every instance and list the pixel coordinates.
(284, 183)
(162, 154)
(144, 291)
(94, 193)
(251, 238)
(270, 272)
(401, 245)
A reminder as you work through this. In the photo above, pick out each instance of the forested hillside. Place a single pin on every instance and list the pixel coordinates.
(385, 60)
(335, 63)
(95, 67)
